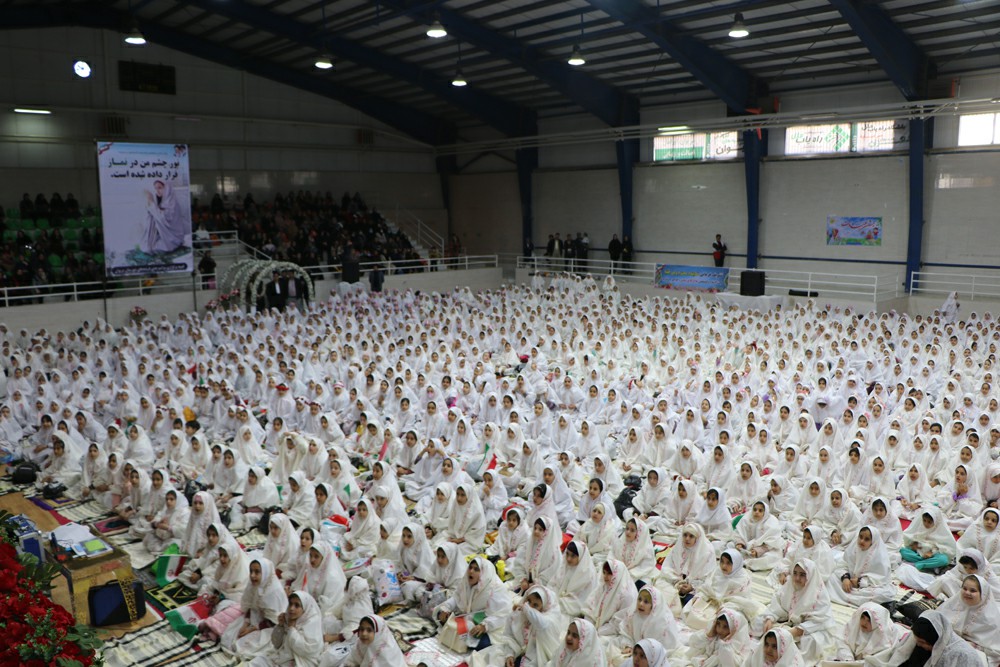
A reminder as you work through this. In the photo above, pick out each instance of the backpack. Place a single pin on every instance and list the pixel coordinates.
(25, 473)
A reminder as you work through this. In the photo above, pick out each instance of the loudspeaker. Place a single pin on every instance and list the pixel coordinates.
(751, 283)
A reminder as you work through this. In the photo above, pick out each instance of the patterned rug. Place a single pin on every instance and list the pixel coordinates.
(408, 626)
(169, 597)
(112, 526)
(55, 504)
(252, 540)
(158, 646)
(86, 512)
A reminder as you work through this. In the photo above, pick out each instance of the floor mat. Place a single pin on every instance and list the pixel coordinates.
(112, 526)
(155, 645)
(170, 597)
(86, 512)
(54, 504)
(252, 540)
(408, 626)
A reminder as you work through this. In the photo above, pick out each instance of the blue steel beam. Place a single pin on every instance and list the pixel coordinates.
(897, 53)
(754, 148)
(507, 117)
(527, 162)
(596, 97)
(915, 234)
(627, 151)
(727, 80)
(421, 126)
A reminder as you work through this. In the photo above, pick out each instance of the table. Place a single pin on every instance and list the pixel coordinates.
(82, 574)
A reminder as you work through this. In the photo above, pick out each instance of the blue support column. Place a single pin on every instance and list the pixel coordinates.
(915, 236)
(628, 156)
(754, 149)
(527, 162)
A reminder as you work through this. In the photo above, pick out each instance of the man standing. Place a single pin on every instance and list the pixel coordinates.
(274, 293)
(719, 250)
(376, 278)
(615, 250)
(206, 267)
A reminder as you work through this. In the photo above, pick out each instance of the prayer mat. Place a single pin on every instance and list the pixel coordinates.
(86, 512)
(54, 504)
(170, 597)
(430, 652)
(408, 626)
(7, 486)
(112, 526)
(156, 644)
(138, 553)
(252, 540)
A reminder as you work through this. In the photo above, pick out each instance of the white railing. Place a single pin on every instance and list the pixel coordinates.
(95, 290)
(419, 231)
(831, 285)
(404, 266)
(968, 286)
(637, 272)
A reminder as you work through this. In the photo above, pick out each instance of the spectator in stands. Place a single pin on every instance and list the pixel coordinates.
(72, 206)
(27, 207)
(41, 206)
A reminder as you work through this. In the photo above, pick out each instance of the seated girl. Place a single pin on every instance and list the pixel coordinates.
(493, 497)
(928, 546)
(576, 580)
(467, 523)
(323, 578)
(259, 494)
(649, 619)
(299, 499)
(880, 515)
(960, 499)
(983, 535)
(581, 648)
(297, 638)
(690, 563)
(777, 648)
(283, 547)
(970, 561)
(715, 519)
(728, 586)
(803, 605)
(169, 523)
(865, 574)
(758, 538)
(361, 539)
(593, 495)
(870, 636)
(224, 589)
(534, 631)
(841, 519)
(812, 546)
(262, 603)
(725, 643)
(612, 599)
(542, 558)
(635, 549)
(376, 645)
(512, 538)
(808, 508)
(682, 507)
(912, 493)
(975, 617)
(479, 591)
(601, 532)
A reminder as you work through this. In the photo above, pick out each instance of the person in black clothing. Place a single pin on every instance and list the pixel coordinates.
(529, 247)
(206, 267)
(376, 278)
(615, 250)
(550, 247)
(274, 293)
(628, 252)
(719, 250)
(27, 207)
(569, 252)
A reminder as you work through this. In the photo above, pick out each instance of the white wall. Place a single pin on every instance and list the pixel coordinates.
(962, 209)
(680, 208)
(255, 135)
(486, 212)
(798, 195)
(569, 202)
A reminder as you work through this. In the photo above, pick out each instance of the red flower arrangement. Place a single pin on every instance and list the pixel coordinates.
(36, 631)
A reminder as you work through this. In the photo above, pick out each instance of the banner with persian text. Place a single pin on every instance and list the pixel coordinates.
(702, 278)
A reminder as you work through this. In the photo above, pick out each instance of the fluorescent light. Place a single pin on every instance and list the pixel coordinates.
(37, 112)
(673, 128)
(82, 69)
(436, 30)
(459, 80)
(324, 62)
(576, 58)
(739, 29)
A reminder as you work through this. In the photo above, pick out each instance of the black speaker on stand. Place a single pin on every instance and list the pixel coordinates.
(751, 283)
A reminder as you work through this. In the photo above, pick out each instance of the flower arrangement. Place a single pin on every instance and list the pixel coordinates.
(138, 311)
(37, 632)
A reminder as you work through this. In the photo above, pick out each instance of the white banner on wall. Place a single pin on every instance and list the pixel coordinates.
(146, 208)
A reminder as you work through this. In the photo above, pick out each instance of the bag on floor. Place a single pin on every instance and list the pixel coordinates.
(431, 600)
(387, 586)
(25, 473)
(121, 601)
(53, 490)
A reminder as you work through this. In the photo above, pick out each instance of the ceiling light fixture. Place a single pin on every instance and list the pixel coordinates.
(82, 69)
(37, 112)
(576, 57)
(135, 36)
(324, 62)
(674, 128)
(459, 80)
(436, 30)
(739, 29)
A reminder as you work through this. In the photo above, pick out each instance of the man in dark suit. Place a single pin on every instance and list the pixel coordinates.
(275, 293)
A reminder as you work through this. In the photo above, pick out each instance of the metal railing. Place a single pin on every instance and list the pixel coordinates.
(968, 286)
(635, 272)
(406, 266)
(832, 285)
(96, 290)
(419, 231)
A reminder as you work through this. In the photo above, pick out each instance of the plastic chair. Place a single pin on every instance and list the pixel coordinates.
(42, 223)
